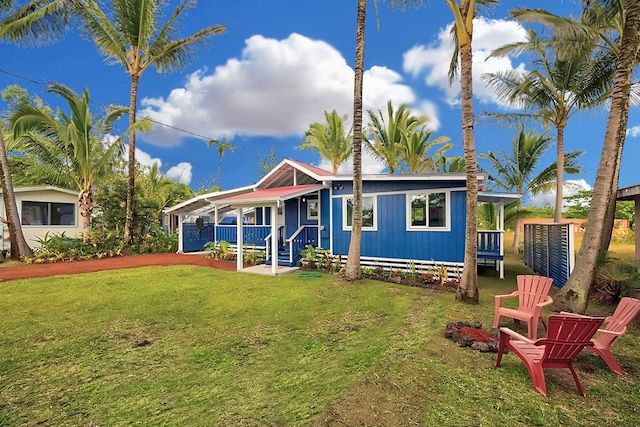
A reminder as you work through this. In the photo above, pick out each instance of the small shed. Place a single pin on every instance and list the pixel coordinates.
(43, 209)
(633, 193)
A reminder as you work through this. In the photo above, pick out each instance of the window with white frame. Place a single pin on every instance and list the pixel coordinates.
(428, 210)
(369, 213)
(313, 207)
(48, 213)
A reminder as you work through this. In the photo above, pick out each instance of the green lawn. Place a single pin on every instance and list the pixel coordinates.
(194, 346)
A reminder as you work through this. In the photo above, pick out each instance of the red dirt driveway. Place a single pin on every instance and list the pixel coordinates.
(73, 267)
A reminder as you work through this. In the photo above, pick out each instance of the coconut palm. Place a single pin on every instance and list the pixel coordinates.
(387, 132)
(126, 32)
(19, 246)
(330, 139)
(449, 163)
(574, 294)
(74, 142)
(561, 84)
(352, 270)
(518, 171)
(221, 148)
(463, 14)
(601, 22)
(415, 147)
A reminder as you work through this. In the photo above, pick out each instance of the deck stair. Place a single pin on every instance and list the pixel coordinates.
(284, 257)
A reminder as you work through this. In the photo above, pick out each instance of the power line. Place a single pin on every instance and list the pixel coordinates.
(178, 129)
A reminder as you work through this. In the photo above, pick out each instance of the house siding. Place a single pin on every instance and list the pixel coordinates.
(392, 240)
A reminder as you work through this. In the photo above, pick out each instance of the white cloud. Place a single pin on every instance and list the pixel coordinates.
(434, 60)
(633, 131)
(276, 88)
(181, 173)
(571, 187)
(142, 157)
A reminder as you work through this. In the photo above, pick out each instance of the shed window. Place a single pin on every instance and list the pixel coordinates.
(369, 215)
(429, 210)
(48, 213)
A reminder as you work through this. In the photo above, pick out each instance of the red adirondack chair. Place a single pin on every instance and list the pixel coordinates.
(532, 295)
(614, 326)
(567, 335)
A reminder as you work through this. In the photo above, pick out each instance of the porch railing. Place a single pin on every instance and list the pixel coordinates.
(490, 244)
(267, 240)
(251, 234)
(303, 236)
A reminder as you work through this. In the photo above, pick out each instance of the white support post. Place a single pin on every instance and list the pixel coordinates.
(216, 221)
(180, 235)
(239, 241)
(500, 225)
(274, 241)
(636, 204)
(319, 220)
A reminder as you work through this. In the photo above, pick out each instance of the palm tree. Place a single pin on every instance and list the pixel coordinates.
(74, 143)
(463, 14)
(602, 22)
(126, 32)
(574, 294)
(516, 171)
(221, 148)
(19, 246)
(562, 83)
(415, 147)
(449, 163)
(352, 270)
(388, 132)
(330, 139)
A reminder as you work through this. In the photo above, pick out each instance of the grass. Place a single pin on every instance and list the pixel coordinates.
(193, 346)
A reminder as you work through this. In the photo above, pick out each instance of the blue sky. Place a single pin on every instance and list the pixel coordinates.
(281, 64)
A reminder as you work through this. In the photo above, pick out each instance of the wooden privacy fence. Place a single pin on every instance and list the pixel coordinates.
(549, 250)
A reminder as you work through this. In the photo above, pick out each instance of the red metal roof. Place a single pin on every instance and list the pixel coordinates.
(272, 194)
(314, 169)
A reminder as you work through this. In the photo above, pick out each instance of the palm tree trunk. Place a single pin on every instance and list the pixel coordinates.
(574, 296)
(19, 246)
(516, 237)
(468, 289)
(131, 188)
(557, 213)
(86, 201)
(352, 269)
(611, 209)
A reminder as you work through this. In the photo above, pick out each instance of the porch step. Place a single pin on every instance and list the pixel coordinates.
(283, 257)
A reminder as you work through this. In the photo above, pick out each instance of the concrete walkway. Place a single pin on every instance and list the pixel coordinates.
(266, 270)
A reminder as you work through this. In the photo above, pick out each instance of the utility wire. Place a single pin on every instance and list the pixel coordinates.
(185, 131)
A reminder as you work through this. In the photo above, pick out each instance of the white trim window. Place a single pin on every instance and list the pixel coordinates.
(313, 207)
(369, 213)
(429, 210)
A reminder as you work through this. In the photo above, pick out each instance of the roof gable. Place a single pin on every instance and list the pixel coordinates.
(292, 172)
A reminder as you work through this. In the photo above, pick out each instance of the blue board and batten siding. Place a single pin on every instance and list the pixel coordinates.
(391, 238)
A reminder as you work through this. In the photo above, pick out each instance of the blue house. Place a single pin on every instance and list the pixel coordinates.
(415, 220)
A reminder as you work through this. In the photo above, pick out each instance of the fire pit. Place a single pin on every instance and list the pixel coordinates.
(472, 335)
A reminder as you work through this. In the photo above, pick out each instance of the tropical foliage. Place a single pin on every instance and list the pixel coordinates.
(330, 139)
(127, 33)
(562, 82)
(519, 170)
(74, 145)
(388, 130)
